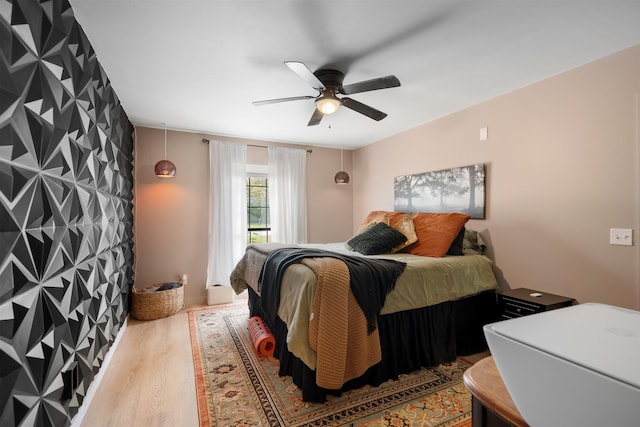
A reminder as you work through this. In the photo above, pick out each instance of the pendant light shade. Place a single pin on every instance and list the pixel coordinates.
(165, 168)
(341, 177)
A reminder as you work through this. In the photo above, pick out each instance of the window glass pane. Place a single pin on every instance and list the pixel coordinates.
(260, 181)
(258, 217)
(257, 196)
(258, 209)
(258, 237)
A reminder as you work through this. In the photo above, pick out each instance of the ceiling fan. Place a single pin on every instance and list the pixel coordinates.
(328, 83)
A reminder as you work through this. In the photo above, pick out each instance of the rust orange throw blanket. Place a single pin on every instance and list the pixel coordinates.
(338, 327)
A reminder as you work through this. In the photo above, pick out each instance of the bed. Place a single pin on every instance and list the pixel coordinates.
(433, 311)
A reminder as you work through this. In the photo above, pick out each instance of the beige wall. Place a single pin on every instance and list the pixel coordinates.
(171, 215)
(563, 168)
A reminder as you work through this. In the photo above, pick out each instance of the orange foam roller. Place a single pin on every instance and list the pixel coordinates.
(263, 340)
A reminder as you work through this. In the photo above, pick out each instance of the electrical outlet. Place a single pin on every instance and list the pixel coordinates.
(621, 236)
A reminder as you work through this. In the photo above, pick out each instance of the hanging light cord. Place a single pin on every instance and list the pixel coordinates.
(165, 141)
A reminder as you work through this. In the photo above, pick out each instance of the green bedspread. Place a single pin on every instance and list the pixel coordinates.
(425, 281)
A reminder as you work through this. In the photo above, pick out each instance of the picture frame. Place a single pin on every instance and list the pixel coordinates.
(460, 189)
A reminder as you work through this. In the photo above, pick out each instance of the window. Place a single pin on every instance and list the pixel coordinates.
(258, 221)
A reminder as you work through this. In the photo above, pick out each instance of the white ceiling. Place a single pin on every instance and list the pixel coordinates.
(198, 65)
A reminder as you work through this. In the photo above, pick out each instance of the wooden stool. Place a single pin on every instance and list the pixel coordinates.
(491, 403)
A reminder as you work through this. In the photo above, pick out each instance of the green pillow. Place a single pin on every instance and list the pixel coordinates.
(473, 244)
(377, 239)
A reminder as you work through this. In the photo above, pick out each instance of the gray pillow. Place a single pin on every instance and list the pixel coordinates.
(377, 239)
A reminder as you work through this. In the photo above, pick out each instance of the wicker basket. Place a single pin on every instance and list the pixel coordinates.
(155, 305)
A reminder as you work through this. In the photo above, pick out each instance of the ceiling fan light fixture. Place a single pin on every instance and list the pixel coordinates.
(328, 82)
(328, 104)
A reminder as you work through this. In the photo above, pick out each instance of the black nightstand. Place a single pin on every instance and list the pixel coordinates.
(522, 302)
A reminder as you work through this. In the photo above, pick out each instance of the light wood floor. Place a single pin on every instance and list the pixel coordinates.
(150, 381)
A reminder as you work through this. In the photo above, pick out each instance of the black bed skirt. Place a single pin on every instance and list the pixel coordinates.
(409, 340)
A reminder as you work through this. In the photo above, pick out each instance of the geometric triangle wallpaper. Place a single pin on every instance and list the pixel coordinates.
(66, 239)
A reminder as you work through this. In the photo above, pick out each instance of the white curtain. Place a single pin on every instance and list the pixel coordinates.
(288, 194)
(227, 209)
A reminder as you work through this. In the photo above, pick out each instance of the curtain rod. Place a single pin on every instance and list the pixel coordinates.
(206, 141)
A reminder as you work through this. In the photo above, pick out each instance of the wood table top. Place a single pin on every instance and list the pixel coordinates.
(485, 383)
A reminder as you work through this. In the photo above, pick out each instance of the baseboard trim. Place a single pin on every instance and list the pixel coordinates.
(76, 421)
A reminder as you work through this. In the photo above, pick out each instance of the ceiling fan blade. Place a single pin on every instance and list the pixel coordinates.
(316, 117)
(373, 84)
(363, 109)
(305, 74)
(275, 101)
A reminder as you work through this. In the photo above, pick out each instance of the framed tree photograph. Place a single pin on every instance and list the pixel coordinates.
(460, 189)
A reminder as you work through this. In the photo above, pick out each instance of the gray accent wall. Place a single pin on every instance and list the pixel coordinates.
(66, 240)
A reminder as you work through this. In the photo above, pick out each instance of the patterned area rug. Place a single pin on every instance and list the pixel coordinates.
(236, 387)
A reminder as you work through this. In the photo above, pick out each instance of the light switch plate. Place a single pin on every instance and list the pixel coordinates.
(621, 236)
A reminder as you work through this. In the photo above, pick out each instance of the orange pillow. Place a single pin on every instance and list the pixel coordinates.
(436, 232)
(374, 216)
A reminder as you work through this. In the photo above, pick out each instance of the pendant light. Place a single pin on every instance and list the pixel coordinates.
(341, 177)
(165, 168)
